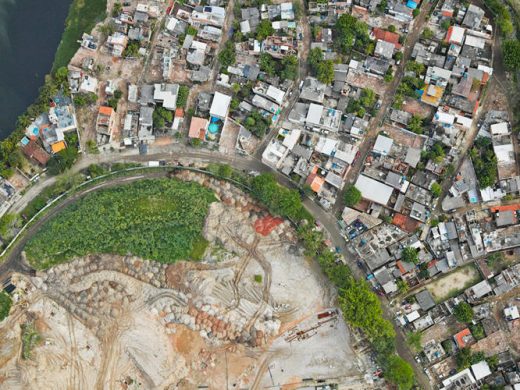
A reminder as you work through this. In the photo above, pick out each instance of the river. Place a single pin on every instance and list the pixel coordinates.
(30, 31)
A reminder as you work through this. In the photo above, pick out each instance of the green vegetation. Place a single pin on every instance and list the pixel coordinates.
(399, 372)
(264, 29)
(511, 49)
(154, 219)
(83, 16)
(85, 99)
(414, 340)
(463, 312)
(268, 64)
(352, 195)
(30, 338)
(493, 362)
(114, 100)
(436, 190)
(484, 161)
(323, 70)
(132, 49)
(182, 97)
(65, 158)
(350, 33)
(410, 255)
(161, 116)
(5, 305)
(366, 101)
(466, 358)
(278, 199)
(427, 33)
(436, 153)
(227, 55)
(190, 30)
(477, 331)
(257, 124)
(289, 68)
(258, 278)
(416, 124)
(502, 16)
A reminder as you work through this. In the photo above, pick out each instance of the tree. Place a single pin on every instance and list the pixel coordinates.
(392, 28)
(132, 49)
(399, 372)
(264, 29)
(325, 72)
(227, 55)
(463, 358)
(416, 12)
(352, 195)
(315, 58)
(190, 30)
(511, 50)
(62, 160)
(161, 116)
(117, 9)
(492, 362)
(445, 24)
(5, 305)
(463, 312)
(414, 340)
(399, 56)
(289, 68)
(436, 189)
(267, 64)
(367, 98)
(350, 31)
(410, 255)
(427, 33)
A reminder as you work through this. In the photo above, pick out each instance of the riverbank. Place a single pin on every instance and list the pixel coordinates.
(83, 17)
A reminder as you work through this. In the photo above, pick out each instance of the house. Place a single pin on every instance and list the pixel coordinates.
(463, 338)
(387, 36)
(210, 33)
(198, 127)
(213, 16)
(425, 300)
(166, 94)
(455, 35)
(313, 90)
(319, 117)
(384, 49)
(374, 190)
(220, 105)
(117, 43)
(35, 152)
(383, 145)
(511, 313)
(105, 124)
(473, 17)
(145, 123)
(279, 46)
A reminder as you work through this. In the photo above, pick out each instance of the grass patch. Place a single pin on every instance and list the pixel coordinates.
(157, 219)
(5, 305)
(83, 16)
(199, 247)
(30, 338)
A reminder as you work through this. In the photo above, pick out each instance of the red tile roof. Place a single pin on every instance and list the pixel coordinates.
(387, 36)
(36, 152)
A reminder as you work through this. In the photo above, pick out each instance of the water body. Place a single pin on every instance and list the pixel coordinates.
(30, 31)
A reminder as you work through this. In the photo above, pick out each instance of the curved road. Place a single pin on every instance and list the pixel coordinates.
(13, 260)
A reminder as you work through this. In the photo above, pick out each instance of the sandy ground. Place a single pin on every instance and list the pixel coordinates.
(457, 280)
(245, 317)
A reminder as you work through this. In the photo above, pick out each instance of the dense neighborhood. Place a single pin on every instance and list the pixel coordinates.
(396, 118)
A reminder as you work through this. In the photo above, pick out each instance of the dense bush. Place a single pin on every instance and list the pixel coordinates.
(484, 161)
(5, 305)
(154, 219)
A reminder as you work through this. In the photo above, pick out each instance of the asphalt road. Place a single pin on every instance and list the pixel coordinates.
(13, 262)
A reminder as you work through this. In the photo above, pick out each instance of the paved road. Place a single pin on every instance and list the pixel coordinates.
(13, 261)
(387, 100)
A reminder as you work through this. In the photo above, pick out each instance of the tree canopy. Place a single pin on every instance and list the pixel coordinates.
(5, 305)
(484, 162)
(350, 32)
(511, 49)
(463, 312)
(410, 255)
(399, 372)
(352, 195)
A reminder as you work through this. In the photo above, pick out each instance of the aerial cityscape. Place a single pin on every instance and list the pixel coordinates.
(250, 194)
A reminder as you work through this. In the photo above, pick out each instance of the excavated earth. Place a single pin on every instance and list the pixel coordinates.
(245, 317)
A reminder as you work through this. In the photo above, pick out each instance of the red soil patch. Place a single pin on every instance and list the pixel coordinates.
(266, 225)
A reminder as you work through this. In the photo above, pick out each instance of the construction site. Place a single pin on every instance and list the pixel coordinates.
(254, 314)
